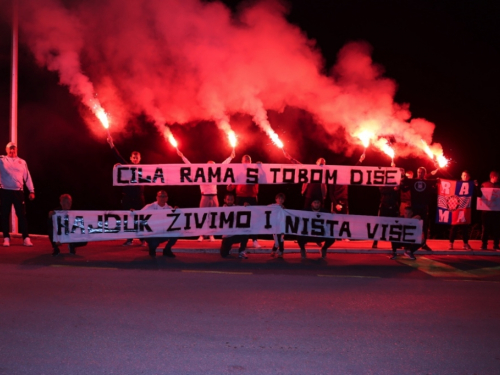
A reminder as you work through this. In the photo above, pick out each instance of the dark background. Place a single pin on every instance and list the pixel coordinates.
(444, 55)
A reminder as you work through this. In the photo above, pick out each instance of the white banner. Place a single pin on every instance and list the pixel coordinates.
(242, 174)
(84, 226)
(490, 201)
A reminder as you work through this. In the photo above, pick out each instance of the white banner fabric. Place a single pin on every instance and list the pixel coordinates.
(84, 226)
(243, 174)
(490, 201)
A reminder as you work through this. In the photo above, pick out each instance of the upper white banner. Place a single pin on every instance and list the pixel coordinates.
(243, 174)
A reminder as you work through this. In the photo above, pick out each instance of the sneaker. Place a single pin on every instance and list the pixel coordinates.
(200, 238)
(6, 241)
(467, 246)
(211, 239)
(450, 247)
(256, 244)
(243, 255)
(168, 253)
(280, 254)
(127, 243)
(26, 242)
(273, 254)
(409, 255)
(55, 252)
(426, 247)
(393, 256)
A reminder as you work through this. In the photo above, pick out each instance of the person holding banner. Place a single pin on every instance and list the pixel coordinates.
(154, 242)
(490, 219)
(303, 240)
(389, 204)
(409, 248)
(229, 241)
(405, 196)
(246, 194)
(208, 192)
(14, 174)
(279, 238)
(65, 203)
(132, 195)
(465, 228)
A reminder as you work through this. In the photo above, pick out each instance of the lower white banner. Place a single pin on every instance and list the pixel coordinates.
(84, 226)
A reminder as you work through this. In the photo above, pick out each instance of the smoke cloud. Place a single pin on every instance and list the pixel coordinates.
(181, 61)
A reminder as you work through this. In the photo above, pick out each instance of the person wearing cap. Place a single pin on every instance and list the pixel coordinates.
(14, 174)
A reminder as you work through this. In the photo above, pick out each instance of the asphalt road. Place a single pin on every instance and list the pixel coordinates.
(115, 311)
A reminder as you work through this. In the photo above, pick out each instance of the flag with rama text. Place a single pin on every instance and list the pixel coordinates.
(454, 202)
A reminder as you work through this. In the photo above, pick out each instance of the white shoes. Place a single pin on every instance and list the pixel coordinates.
(6, 241)
(212, 239)
(200, 238)
(27, 242)
(256, 244)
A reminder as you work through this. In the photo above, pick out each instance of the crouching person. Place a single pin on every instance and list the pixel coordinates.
(229, 241)
(303, 240)
(409, 248)
(154, 242)
(65, 203)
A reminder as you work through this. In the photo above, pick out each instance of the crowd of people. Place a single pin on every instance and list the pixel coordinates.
(411, 199)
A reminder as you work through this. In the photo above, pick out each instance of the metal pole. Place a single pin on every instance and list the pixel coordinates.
(13, 94)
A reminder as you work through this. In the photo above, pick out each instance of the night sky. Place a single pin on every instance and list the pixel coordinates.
(444, 56)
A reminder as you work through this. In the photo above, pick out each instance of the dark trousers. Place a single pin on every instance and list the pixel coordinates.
(228, 242)
(16, 198)
(406, 246)
(491, 226)
(303, 240)
(386, 212)
(423, 211)
(154, 242)
(465, 232)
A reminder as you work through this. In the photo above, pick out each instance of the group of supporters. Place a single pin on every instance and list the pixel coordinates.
(411, 199)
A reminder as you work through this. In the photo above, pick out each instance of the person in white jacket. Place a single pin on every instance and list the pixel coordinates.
(14, 174)
(208, 192)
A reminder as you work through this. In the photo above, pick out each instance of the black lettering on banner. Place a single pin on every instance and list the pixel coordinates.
(214, 173)
(78, 223)
(200, 175)
(305, 221)
(143, 223)
(171, 227)
(291, 226)
(345, 227)
(145, 179)
(303, 178)
(246, 215)
(378, 177)
(395, 232)
(229, 175)
(369, 177)
(268, 219)
(119, 175)
(356, 173)
(275, 172)
(125, 224)
(197, 222)
(118, 223)
(158, 175)
(331, 176)
(371, 234)
(61, 225)
(319, 176)
(212, 223)
(389, 176)
(187, 215)
(318, 227)
(384, 231)
(229, 219)
(288, 175)
(93, 230)
(133, 180)
(252, 176)
(186, 174)
(331, 224)
(408, 232)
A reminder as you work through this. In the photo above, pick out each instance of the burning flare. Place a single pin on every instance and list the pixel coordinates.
(365, 136)
(442, 161)
(276, 140)
(95, 106)
(172, 140)
(388, 150)
(232, 138)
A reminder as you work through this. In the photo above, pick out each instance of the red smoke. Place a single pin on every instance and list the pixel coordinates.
(179, 61)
